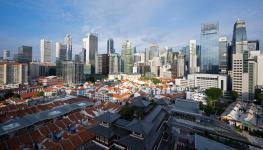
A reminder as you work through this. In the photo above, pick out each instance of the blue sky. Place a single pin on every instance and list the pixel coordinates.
(170, 23)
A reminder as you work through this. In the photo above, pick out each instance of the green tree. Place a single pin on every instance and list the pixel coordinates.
(213, 94)
(234, 95)
(16, 96)
(8, 94)
(40, 94)
(260, 97)
(155, 80)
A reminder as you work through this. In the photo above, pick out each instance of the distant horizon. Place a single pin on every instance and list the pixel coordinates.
(166, 22)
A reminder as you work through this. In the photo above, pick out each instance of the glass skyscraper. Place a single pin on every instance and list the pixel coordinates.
(209, 48)
(239, 41)
(223, 57)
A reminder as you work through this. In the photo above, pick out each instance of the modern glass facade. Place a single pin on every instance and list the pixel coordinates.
(239, 36)
(223, 58)
(127, 57)
(209, 48)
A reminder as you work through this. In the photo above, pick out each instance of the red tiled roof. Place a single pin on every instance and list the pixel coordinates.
(52, 127)
(67, 145)
(44, 131)
(50, 145)
(60, 124)
(86, 136)
(25, 139)
(76, 140)
(28, 95)
(36, 136)
(13, 143)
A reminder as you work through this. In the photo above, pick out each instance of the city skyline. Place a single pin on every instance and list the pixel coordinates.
(156, 22)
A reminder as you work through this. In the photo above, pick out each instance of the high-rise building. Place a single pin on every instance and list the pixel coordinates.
(127, 57)
(180, 65)
(110, 46)
(13, 73)
(72, 72)
(153, 51)
(83, 55)
(223, 57)
(185, 50)
(193, 57)
(114, 63)
(45, 51)
(24, 54)
(240, 62)
(209, 48)
(90, 44)
(102, 64)
(239, 36)
(253, 45)
(61, 52)
(6, 54)
(68, 43)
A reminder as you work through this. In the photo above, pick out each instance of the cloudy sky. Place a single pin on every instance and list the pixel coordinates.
(170, 23)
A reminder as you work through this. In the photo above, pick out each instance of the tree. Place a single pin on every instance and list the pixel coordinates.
(260, 97)
(234, 95)
(213, 94)
(40, 94)
(8, 94)
(16, 96)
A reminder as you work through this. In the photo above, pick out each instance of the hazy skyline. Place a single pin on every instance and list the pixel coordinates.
(170, 23)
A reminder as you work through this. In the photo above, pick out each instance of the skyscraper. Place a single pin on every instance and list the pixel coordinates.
(253, 45)
(45, 51)
(61, 52)
(24, 54)
(13, 73)
(127, 57)
(90, 44)
(68, 43)
(114, 63)
(193, 56)
(102, 64)
(72, 72)
(6, 54)
(223, 58)
(110, 46)
(153, 51)
(240, 62)
(209, 48)
(239, 36)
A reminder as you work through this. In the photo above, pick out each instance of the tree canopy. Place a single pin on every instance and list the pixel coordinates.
(126, 112)
(260, 97)
(213, 93)
(234, 95)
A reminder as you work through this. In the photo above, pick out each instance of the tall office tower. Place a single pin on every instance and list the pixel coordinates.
(180, 65)
(155, 64)
(61, 52)
(114, 63)
(223, 58)
(102, 64)
(153, 51)
(127, 57)
(68, 43)
(77, 58)
(90, 44)
(72, 72)
(139, 57)
(253, 45)
(209, 48)
(240, 62)
(6, 54)
(24, 54)
(185, 50)
(83, 55)
(198, 53)
(13, 73)
(45, 51)
(193, 56)
(34, 73)
(239, 37)
(110, 46)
